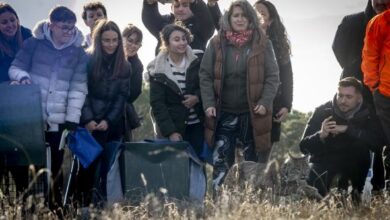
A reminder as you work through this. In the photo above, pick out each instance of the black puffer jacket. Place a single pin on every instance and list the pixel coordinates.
(106, 97)
(363, 134)
(348, 45)
(201, 24)
(166, 97)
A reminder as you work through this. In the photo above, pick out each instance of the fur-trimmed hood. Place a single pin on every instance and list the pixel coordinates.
(42, 31)
(160, 65)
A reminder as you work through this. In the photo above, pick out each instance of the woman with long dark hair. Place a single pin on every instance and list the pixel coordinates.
(276, 32)
(108, 88)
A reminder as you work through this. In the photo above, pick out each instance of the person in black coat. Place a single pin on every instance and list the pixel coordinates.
(276, 32)
(132, 38)
(108, 90)
(347, 47)
(339, 137)
(193, 13)
(174, 88)
(12, 35)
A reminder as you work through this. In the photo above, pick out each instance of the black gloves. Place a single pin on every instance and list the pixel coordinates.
(70, 126)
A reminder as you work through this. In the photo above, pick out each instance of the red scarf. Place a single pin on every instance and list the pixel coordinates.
(238, 39)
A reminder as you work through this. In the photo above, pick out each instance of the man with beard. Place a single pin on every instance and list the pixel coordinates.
(339, 137)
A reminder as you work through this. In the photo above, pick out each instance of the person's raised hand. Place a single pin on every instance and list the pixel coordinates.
(338, 129)
(327, 125)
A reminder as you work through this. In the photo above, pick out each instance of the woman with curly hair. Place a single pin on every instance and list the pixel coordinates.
(276, 32)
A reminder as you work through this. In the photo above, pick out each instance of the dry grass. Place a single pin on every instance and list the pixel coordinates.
(233, 204)
(230, 204)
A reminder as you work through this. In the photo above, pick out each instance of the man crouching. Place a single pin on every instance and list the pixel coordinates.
(339, 137)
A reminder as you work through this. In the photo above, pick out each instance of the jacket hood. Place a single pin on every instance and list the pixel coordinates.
(42, 31)
(161, 66)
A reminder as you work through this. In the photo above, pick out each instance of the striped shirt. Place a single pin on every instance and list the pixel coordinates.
(179, 72)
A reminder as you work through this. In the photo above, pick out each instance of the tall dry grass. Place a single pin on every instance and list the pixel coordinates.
(230, 204)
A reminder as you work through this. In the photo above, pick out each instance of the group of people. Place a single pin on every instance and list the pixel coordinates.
(231, 89)
(90, 82)
(196, 92)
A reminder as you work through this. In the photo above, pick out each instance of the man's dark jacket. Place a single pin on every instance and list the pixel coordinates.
(363, 134)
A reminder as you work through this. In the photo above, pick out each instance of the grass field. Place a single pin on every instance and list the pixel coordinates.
(231, 204)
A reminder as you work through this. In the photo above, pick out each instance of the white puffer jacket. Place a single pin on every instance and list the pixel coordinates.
(59, 71)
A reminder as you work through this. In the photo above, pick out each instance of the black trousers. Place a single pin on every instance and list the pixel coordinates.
(194, 134)
(353, 169)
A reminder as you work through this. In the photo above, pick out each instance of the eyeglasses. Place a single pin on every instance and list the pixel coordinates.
(132, 41)
(66, 28)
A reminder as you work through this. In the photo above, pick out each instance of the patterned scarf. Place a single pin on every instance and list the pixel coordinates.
(238, 39)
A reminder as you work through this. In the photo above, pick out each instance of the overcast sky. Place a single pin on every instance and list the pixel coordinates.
(311, 25)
